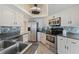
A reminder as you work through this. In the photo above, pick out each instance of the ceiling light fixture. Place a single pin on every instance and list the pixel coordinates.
(35, 9)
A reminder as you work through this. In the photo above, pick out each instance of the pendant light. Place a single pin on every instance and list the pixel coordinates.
(35, 9)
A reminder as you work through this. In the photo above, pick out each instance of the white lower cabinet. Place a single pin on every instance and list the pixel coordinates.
(73, 46)
(67, 45)
(61, 45)
(39, 36)
(43, 38)
(25, 38)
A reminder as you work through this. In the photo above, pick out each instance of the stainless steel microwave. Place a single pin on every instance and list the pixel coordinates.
(55, 21)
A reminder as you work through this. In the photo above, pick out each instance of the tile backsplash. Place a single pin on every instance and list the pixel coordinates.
(9, 29)
(70, 29)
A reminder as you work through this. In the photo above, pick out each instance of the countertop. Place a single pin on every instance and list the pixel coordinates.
(70, 35)
(14, 36)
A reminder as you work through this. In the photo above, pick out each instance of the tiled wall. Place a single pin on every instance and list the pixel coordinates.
(9, 29)
(70, 29)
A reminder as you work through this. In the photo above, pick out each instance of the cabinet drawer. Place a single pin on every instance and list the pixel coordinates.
(60, 38)
(74, 41)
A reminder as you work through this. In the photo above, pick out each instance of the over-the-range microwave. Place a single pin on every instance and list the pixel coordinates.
(55, 21)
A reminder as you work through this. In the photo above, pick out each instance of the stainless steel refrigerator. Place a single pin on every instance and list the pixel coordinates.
(33, 31)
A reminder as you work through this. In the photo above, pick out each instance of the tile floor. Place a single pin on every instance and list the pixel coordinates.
(43, 49)
(38, 48)
(33, 48)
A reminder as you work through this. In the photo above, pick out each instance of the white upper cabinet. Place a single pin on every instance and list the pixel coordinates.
(18, 19)
(1, 15)
(5, 16)
(10, 16)
(69, 16)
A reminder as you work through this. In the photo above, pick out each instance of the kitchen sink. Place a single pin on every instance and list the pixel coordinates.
(5, 44)
(18, 48)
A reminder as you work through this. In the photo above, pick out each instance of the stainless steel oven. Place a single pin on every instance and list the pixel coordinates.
(51, 41)
(51, 38)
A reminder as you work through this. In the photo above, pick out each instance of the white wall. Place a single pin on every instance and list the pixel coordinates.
(70, 14)
(55, 8)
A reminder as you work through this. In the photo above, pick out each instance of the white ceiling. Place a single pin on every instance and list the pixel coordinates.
(54, 8)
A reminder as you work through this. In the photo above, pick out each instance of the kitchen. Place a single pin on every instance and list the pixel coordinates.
(39, 28)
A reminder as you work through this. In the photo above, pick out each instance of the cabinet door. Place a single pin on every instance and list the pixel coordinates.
(73, 46)
(61, 45)
(1, 15)
(39, 36)
(25, 38)
(8, 16)
(43, 38)
(18, 19)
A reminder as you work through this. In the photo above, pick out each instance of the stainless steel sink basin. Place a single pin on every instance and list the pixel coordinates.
(5, 44)
(18, 48)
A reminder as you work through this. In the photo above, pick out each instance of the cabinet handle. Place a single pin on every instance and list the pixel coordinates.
(61, 39)
(67, 47)
(74, 42)
(68, 22)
